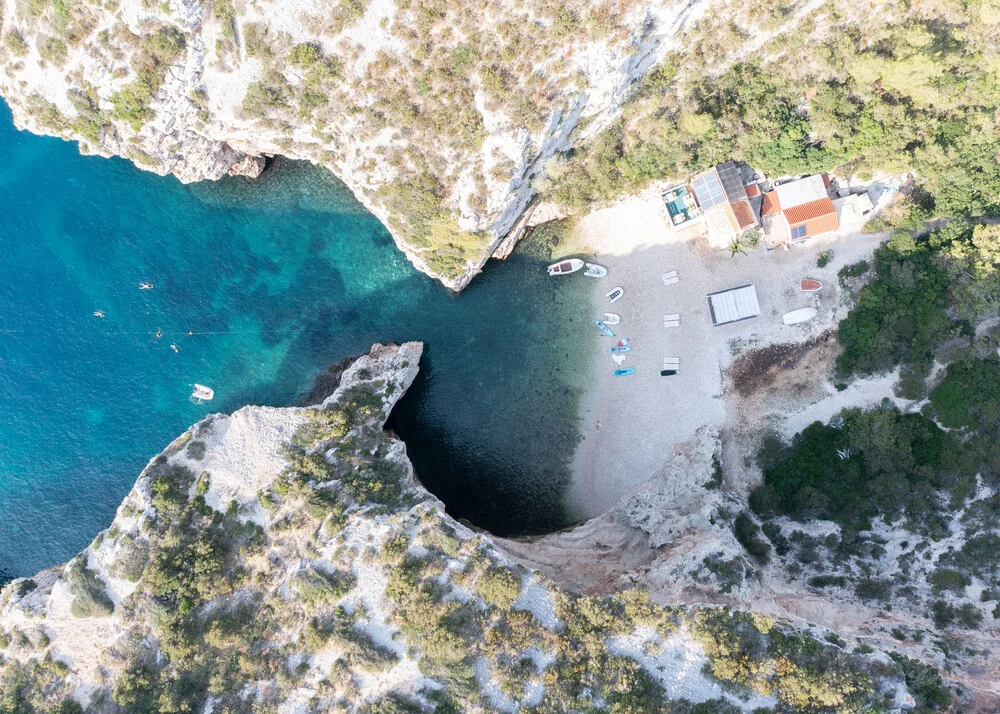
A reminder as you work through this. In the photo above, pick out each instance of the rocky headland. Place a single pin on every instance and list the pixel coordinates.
(288, 560)
(438, 117)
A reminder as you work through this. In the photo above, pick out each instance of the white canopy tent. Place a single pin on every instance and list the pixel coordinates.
(734, 305)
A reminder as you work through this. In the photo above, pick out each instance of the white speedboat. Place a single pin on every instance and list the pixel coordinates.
(202, 393)
(595, 271)
(565, 267)
(803, 314)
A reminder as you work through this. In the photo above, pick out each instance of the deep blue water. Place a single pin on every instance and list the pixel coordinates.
(277, 279)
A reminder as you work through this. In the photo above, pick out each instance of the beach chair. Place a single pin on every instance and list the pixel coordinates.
(670, 278)
(672, 320)
(671, 366)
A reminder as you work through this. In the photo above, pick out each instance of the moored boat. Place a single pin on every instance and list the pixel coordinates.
(202, 393)
(565, 267)
(803, 314)
(595, 271)
(615, 294)
(808, 285)
(605, 330)
(623, 372)
(611, 318)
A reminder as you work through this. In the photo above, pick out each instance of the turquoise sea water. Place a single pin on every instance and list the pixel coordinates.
(277, 279)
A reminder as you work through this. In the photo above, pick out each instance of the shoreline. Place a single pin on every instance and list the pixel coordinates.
(630, 426)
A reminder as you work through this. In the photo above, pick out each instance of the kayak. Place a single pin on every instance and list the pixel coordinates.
(615, 295)
(617, 349)
(808, 285)
(623, 372)
(605, 330)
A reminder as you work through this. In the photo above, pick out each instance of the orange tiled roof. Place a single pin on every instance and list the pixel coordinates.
(752, 190)
(770, 204)
(808, 211)
(743, 213)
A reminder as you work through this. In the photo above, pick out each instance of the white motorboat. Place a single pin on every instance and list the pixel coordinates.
(803, 314)
(615, 294)
(565, 267)
(611, 318)
(202, 393)
(595, 271)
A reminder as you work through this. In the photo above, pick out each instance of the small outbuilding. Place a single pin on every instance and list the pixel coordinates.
(733, 305)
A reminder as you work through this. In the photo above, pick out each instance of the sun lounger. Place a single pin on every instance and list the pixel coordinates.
(671, 320)
(671, 366)
(670, 278)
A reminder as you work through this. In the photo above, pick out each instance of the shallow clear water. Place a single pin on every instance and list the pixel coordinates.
(276, 279)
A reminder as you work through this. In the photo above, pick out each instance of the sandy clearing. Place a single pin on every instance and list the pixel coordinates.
(631, 424)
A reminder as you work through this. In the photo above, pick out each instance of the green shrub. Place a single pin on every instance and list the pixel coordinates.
(825, 581)
(854, 270)
(53, 50)
(873, 589)
(969, 394)
(132, 101)
(272, 92)
(748, 534)
(499, 587)
(317, 587)
(948, 579)
(257, 40)
(196, 449)
(89, 596)
(14, 41)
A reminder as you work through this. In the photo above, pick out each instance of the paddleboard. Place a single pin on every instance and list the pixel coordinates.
(619, 348)
(623, 372)
(605, 330)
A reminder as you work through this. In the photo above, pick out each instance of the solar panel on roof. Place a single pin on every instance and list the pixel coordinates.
(732, 182)
(708, 189)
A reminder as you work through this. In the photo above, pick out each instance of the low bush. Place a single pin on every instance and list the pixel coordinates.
(748, 534)
(499, 587)
(90, 599)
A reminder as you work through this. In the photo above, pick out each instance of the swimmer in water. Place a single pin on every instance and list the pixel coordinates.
(99, 313)
(159, 334)
(174, 348)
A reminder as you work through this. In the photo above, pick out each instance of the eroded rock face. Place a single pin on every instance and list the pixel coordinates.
(288, 560)
(438, 116)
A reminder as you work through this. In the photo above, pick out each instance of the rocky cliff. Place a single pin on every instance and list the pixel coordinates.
(437, 115)
(287, 560)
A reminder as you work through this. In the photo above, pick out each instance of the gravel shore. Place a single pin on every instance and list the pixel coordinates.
(631, 424)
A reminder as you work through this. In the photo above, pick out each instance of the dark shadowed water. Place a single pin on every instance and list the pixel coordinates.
(276, 279)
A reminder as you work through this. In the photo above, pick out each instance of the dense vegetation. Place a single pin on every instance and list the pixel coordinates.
(907, 87)
(228, 612)
(866, 464)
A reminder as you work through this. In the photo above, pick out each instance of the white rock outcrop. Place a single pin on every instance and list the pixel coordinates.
(449, 107)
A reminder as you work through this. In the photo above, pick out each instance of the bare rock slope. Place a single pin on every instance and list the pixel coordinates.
(437, 115)
(287, 560)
